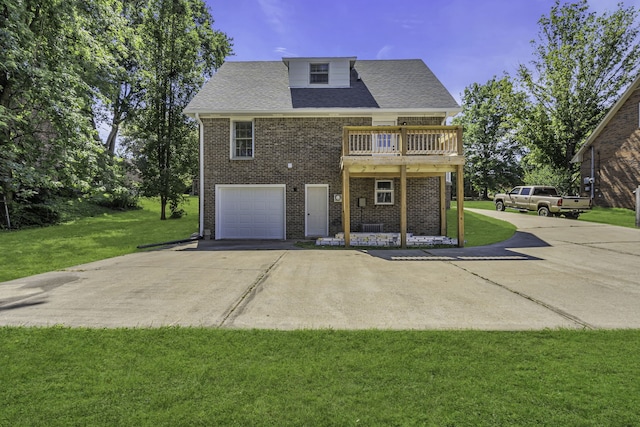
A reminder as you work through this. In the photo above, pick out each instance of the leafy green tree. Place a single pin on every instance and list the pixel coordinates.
(47, 138)
(120, 84)
(55, 59)
(182, 50)
(547, 175)
(491, 150)
(582, 62)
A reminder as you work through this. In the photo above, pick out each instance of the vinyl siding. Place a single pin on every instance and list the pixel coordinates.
(339, 74)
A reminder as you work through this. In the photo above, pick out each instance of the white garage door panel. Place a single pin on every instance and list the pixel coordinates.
(250, 213)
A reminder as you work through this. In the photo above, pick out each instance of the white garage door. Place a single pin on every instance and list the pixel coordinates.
(250, 212)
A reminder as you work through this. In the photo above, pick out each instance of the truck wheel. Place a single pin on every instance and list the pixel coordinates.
(500, 206)
(543, 211)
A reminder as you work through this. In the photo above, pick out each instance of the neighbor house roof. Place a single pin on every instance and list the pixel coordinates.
(577, 158)
(263, 87)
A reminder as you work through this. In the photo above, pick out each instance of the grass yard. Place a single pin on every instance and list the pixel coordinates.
(194, 376)
(91, 238)
(478, 204)
(479, 230)
(611, 216)
(182, 376)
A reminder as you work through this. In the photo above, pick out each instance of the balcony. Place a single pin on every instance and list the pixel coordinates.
(403, 152)
(382, 150)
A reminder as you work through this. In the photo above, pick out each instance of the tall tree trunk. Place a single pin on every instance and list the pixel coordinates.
(571, 148)
(118, 117)
(163, 207)
(111, 139)
(5, 136)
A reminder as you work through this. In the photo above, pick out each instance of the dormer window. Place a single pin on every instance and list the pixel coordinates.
(319, 73)
(307, 73)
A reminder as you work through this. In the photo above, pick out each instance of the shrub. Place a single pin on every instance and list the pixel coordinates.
(33, 215)
(120, 198)
(174, 207)
(547, 175)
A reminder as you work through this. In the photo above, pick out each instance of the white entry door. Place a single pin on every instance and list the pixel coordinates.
(384, 143)
(316, 210)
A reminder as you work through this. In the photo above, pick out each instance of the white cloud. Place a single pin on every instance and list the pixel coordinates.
(384, 53)
(276, 13)
(409, 23)
(284, 52)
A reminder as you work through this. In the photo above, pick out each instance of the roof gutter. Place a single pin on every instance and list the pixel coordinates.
(329, 112)
(201, 171)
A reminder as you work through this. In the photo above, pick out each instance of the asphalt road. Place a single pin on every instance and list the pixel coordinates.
(555, 273)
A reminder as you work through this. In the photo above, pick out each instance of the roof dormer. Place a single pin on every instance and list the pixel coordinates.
(319, 72)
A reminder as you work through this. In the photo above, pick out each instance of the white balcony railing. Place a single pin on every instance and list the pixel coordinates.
(402, 140)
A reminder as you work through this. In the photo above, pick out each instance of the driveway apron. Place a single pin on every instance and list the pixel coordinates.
(554, 273)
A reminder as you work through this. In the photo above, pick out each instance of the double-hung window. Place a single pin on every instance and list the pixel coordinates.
(242, 140)
(384, 192)
(319, 73)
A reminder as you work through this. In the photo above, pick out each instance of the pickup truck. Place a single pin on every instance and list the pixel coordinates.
(545, 200)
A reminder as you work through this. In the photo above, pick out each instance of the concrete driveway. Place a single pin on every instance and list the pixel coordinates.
(555, 273)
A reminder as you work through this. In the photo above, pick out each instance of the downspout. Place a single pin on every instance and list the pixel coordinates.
(593, 172)
(201, 162)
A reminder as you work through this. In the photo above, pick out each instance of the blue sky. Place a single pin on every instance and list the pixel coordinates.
(462, 41)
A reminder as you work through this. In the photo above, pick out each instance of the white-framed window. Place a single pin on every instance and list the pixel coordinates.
(242, 146)
(319, 73)
(384, 192)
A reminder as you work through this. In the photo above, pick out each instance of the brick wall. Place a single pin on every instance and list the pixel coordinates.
(313, 146)
(616, 158)
(423, 214)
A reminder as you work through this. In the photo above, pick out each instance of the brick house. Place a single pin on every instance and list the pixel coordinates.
(309, 147)
(610, 157)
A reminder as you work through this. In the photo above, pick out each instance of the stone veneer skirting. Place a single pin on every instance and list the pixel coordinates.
(386, 240)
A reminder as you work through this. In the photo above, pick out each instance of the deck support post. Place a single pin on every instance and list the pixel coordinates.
(403, 206)
(411, 152)
(346, 208)
(460, 203)
(443, 204)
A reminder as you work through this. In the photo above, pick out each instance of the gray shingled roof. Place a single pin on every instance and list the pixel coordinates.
(264, 86)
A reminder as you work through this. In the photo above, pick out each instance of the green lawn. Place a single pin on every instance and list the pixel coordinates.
(183, 376)
(194, 376)
(108, 234)
(612, 216)
(478, 204)
(479, 230)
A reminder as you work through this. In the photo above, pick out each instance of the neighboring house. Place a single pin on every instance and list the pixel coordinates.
(610, 157)
(309, 147)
